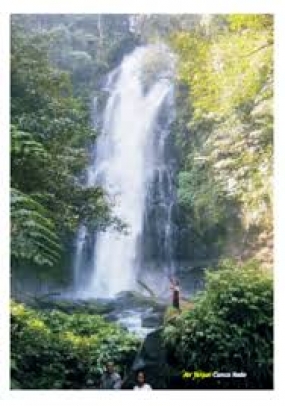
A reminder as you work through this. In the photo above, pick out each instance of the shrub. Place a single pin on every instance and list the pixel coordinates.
(229, 329)
(54, 350)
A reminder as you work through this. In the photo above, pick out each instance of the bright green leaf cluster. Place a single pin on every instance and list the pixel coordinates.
(55, 350)
(230, 327)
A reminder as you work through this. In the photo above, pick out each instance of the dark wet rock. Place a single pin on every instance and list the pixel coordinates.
(152, 320)
(151, 358)
(129, 299)
(72, 306)
(134, 311)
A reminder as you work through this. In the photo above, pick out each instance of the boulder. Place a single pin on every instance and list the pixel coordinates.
(71, 306)
(152, 320)
(151, 358)
(132, 300)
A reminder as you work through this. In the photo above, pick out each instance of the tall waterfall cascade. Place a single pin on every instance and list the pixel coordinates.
(131, 164)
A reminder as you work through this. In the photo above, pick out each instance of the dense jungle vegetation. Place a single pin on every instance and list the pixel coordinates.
(225, 179)
(223, 134)
(55, 350)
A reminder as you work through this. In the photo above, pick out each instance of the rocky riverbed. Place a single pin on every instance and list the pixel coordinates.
(135, 312)
(138, 311)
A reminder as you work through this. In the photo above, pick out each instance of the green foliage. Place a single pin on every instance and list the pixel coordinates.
(152, 28)
(33, 231)
(170, 314)
(85, 46)
(230, 327)
(250, 21)
(53, 350)
(50, 136)
(226, 170)
(236, 62)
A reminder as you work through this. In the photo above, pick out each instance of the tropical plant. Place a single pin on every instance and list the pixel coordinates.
(50, 138)
(225, 179)
(33, 231)
(54, 350)
(230, 327)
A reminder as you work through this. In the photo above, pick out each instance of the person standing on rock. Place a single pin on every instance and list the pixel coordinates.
(175, 293)
(141, 384)
(110, 378)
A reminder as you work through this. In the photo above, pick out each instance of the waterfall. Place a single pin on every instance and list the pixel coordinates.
(130, 164)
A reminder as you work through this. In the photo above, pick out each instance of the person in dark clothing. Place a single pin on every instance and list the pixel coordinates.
(110, 379)
(175, 293)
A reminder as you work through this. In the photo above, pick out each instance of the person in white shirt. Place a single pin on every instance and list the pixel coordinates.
(141, 384)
